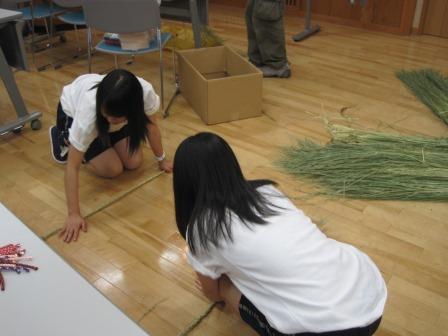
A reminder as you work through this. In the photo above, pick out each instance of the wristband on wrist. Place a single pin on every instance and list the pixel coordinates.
(160, 158)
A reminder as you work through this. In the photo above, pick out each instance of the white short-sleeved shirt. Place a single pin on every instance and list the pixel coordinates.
(301, 280)
(78, 101)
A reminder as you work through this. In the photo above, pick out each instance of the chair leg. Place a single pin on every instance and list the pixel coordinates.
(77, 38)
(31, 44)
(166, 113)
(174, 63)
(195, 23)
(175, 76)
(131, 60)
(89, 49)
(159, 42)
(47, 30)
(32, 34)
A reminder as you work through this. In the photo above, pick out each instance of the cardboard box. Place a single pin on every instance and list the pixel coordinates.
(219, 84)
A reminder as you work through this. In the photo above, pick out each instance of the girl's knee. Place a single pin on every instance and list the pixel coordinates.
(133, 163)
(115, 170)
(110, 171)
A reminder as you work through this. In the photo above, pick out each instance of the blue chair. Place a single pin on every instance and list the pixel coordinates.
(73, 15)
(126, 16)
(75, 18)
(41, 11)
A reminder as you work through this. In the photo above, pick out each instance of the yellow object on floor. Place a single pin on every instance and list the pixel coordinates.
(183, 37)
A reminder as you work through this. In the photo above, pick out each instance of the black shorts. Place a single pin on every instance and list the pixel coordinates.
(63, 124)
(253, 317)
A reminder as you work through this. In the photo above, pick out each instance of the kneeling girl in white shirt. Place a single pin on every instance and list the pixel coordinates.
(102, 122)
(252, 248)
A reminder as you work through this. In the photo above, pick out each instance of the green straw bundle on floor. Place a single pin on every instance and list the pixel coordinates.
(372, 165)
(431, 87)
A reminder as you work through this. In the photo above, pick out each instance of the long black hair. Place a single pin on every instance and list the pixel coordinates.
(208, 187)
(120, 94)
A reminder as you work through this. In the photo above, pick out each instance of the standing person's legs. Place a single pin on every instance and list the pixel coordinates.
(252, 46)
(267, 23)
(271, 42)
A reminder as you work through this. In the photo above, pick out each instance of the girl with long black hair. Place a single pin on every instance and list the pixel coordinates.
(254, 250)
(102, 122)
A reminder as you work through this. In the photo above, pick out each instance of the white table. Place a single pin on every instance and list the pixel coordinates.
(55, 300)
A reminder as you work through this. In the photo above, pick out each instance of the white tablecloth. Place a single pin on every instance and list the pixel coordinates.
(55, 300)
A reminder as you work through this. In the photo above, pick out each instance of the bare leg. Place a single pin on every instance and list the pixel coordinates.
(129, 162)
(107, 164)
(230, 294)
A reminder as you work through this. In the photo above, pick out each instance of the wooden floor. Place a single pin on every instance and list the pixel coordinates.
(133, 253)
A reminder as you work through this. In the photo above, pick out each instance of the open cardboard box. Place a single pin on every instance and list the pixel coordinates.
(219, 84)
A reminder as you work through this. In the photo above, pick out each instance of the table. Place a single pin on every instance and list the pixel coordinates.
(55, 300)
(12, 52)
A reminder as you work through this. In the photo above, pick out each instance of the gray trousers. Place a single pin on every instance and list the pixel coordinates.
(265, 33)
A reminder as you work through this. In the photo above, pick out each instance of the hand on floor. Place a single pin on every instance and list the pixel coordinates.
(73, 225)
(166, 166)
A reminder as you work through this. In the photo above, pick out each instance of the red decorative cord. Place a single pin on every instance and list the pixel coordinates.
(11, 257)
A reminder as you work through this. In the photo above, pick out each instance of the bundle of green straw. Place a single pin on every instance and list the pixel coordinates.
(431, 87)
(372, 165)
